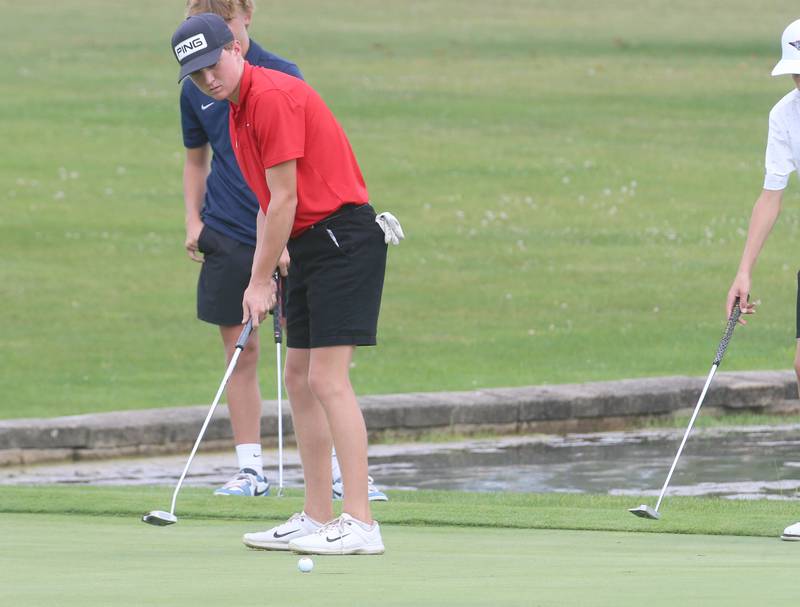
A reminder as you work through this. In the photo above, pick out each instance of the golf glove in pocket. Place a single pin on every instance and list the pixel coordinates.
(392, 230)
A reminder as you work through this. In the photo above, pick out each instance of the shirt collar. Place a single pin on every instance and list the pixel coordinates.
(252, 51)
(244, 84)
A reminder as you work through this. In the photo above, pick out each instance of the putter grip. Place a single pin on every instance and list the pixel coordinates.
(723, 345)
(245, 335)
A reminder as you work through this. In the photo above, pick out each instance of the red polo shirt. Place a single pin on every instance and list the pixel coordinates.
(280, 118)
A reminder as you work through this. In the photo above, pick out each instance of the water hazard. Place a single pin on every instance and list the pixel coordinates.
(761, 462)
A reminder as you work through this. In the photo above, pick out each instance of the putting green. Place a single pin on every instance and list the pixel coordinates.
(86, 546)
(83, 560)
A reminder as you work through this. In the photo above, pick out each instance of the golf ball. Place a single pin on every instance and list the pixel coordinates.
(305, 564)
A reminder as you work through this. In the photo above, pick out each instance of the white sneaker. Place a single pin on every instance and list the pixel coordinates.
(278, 538)
(247, 483)
(373, 493)
(792, 533)
(343, 535)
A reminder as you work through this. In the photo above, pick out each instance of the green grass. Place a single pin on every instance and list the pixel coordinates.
(442, 549)
(724, 421)
(435, 508)
(713, 420)
(574, 180)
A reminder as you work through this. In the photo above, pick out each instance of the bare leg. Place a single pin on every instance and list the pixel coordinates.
(244, 395)
(329, 380)
(312, 434)
(797, 363)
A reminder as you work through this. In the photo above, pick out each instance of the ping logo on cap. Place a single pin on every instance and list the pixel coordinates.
(190, 46)
(795, 44)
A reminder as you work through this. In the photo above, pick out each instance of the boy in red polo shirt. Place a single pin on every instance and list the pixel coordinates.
(296, 158)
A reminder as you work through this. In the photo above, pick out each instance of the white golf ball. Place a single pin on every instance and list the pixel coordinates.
(305, 564)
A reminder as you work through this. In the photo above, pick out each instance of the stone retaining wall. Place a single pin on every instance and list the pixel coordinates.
(554, 408)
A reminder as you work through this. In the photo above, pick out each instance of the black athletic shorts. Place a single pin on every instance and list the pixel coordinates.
(335, 281)
(224, 276)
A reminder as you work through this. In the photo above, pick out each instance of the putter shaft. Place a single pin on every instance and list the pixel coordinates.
(714, 368)
(158, 517)
(645, 511)
(228, 373)
(277, 313)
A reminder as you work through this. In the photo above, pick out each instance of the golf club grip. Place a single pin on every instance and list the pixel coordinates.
(723, 345)
(245, 335)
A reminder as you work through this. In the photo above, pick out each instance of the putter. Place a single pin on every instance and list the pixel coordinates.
(645, 511)
(160, 518)
(277, 313)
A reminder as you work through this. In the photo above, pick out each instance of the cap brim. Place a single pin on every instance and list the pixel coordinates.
(786, 66)
(198, 63)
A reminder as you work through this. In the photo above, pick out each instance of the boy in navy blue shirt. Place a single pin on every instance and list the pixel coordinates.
(221, 216)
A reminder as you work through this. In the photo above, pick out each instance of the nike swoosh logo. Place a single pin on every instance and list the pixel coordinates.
(336, 539)
(257, 493)
(278, 536)
(205, 106)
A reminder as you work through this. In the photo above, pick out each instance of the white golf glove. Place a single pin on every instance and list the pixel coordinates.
(392, 230)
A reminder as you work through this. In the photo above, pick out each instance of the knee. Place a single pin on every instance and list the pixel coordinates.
(296, 378)
(328, 388)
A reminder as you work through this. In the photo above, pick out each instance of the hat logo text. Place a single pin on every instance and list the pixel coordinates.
(190, 46)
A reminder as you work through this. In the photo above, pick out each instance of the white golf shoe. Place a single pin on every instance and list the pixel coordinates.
(278, 538)
(792, 533)
(343, 535)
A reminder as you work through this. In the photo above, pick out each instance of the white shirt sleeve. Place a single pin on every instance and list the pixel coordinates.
(779, 158)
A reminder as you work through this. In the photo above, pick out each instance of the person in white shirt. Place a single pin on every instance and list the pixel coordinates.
(782, 158)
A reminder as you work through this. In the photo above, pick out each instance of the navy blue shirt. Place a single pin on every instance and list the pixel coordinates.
(230, 206)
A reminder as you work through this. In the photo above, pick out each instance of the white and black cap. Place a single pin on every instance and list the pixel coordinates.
(790, 51)
(198, 42)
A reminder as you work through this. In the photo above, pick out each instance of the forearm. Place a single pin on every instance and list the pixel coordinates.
(273, 234)
(260, 218)
(765, 213)
(195, 173)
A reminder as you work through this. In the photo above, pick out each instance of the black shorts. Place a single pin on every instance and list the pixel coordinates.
(335, 281)
(224, 276)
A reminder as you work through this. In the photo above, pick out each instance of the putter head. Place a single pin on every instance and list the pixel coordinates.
(159, 518)
(645, 511)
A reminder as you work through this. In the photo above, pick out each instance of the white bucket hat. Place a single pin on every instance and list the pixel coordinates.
(790, 46)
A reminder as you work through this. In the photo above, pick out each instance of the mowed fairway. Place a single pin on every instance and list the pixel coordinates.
(574, 180)
(57, 558)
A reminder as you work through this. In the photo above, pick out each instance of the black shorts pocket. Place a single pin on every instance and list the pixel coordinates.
(354, 231)
(201, 240)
